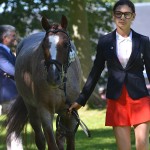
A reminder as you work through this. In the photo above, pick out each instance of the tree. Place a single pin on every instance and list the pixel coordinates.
(85, 19)
(88, 19)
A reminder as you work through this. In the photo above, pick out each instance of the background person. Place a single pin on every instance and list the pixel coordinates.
(125, 53)
(8, 91)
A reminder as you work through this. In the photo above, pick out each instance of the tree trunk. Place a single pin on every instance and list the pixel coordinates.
(80, 35)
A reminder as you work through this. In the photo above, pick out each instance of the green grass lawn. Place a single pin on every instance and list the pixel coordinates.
(101, 137)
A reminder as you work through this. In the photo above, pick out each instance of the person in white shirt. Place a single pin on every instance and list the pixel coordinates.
(125, 53)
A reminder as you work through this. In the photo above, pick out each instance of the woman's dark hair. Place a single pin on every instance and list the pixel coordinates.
(124, 2)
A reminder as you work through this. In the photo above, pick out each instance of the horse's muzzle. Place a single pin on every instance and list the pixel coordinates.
(53, 76)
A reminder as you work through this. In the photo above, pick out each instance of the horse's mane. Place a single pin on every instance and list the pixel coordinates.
(31, 42)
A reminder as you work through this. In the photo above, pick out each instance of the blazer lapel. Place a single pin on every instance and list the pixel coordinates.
(135, 48)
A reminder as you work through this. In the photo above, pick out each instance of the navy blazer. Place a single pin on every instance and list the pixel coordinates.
(131, 76)
(8, 89)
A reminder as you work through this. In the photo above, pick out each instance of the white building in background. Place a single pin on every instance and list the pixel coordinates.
(141, 24)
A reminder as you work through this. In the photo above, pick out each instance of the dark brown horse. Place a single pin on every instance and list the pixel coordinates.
(48, 76)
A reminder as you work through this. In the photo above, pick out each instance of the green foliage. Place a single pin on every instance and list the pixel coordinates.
(25, 15)
(99, 17)
(140, 1)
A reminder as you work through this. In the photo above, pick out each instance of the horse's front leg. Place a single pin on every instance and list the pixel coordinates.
(70, 140)
(66, 129)
(36, 125)
(60, 139)
(47, 124)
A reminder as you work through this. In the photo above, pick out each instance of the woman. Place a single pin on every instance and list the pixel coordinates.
(125, 53)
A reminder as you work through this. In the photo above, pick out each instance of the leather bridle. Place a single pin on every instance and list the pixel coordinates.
(51, 61)
(62, 68)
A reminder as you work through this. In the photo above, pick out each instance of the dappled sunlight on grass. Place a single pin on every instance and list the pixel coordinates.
(99, 139)
(102, 137)
(94, 119)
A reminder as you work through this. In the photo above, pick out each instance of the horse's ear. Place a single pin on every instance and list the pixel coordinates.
(64, 22)
(45, 23)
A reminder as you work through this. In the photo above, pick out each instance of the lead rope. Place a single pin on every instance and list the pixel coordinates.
(75, 114)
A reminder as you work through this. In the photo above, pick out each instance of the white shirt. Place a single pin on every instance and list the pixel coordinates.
(124, 48)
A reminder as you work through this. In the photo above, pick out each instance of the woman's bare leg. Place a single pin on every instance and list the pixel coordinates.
(142, 136)
(123, 139)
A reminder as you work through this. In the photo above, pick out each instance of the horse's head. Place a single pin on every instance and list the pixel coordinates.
(56, 47)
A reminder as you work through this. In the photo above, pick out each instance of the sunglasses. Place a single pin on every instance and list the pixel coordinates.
(127, 15)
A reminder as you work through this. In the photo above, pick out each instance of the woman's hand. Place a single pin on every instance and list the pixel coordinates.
(75, 106)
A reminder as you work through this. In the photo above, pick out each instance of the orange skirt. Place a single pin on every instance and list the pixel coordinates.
(127, 112)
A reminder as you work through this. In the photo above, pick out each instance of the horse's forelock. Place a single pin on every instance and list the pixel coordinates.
(55, 26)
